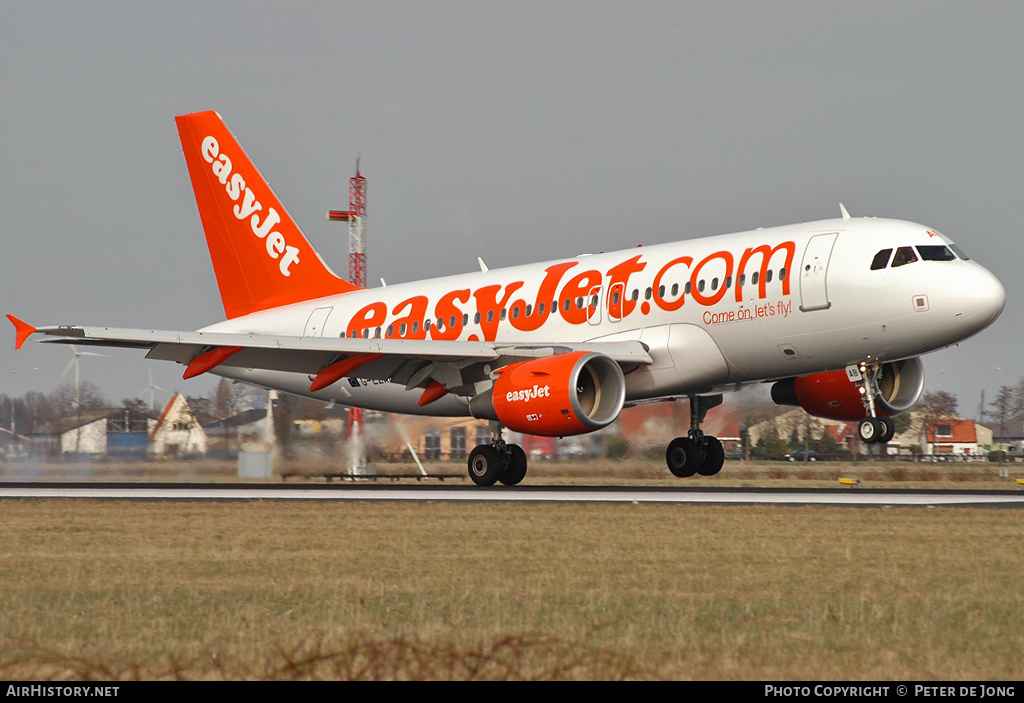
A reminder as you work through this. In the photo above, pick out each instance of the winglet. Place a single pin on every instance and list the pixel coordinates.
(843, 212)
(22, 330)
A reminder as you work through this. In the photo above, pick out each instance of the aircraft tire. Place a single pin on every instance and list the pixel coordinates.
(485, 465)
(515, 471)
(888, 429)
(714, 457)
(682, 457)
(869, 429)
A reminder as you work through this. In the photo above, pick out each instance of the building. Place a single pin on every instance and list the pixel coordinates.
(119, 432)
(952, 437)
(176, 432)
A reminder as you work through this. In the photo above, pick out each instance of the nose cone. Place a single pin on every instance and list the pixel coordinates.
(979, 301)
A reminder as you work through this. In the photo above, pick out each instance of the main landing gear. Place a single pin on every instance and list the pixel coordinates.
(696, 453)
(874, 428)
(497, 461)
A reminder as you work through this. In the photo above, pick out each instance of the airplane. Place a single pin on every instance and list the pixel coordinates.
(835, 314)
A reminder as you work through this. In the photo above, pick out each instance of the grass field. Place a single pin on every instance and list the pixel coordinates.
(93, 590)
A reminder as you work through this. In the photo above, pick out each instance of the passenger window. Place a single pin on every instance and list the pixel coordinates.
(904, 255)
(881, 259)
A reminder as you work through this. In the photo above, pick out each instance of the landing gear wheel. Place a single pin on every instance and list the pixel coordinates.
(714, 457)
(682, 457)
(516, 469)
(888, 429)
(485, 465)
(869, 429)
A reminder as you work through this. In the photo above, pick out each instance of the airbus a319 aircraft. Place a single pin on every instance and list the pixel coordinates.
(836, 313)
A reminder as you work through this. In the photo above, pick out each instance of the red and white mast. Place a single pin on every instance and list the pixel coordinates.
(356, 218)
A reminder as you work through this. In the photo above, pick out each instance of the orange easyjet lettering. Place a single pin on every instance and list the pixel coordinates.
(574, 300)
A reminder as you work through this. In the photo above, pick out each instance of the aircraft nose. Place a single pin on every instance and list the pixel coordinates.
(981, 300)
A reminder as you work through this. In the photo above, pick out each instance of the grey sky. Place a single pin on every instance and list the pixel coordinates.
(512, 131)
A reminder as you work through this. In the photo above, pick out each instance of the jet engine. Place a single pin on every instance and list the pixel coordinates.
(556, 396)
(898, 386)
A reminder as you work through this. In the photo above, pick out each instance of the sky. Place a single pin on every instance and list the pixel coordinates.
(516, 132)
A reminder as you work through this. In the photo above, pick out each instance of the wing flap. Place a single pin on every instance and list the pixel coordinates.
(398, 360)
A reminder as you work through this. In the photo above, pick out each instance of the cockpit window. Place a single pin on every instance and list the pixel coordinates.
(935, 252)
(904, 255)
(958, 251)
(881, 259)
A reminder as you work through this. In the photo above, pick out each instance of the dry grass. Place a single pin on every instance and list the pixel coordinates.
(434, 591)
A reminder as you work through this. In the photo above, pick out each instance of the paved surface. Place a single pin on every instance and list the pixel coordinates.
(526, 494)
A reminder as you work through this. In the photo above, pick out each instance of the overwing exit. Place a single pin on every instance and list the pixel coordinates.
(836, 313)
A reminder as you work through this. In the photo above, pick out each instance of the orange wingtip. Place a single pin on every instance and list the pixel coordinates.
(23, 330)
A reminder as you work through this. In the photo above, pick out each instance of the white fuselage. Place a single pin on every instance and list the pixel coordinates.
(715, 313)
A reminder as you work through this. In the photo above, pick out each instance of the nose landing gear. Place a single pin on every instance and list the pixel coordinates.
(874, 428)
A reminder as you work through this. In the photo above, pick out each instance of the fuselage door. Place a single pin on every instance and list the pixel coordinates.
(594, 306)
(315, 323)
(814, 272)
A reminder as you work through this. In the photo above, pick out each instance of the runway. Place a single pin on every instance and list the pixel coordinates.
(519, 494)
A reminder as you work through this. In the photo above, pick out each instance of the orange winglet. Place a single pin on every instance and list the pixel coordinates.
(332, 373)
(209, 360)
(22, 330)
(432, 392)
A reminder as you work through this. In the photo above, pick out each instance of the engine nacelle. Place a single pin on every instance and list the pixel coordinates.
(832, 395)
(556, 396)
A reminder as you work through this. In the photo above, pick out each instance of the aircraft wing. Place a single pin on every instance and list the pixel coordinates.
(453, 364)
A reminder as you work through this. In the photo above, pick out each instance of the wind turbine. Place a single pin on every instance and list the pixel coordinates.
(74, 362)
(152, 388)
(78, 395)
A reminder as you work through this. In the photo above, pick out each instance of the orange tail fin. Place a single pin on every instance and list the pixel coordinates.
(260, 256)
